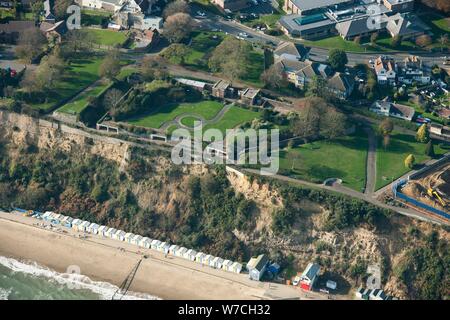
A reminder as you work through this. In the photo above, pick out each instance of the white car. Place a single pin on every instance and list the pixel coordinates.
(201, 13)
(243, 34)
(296, 281)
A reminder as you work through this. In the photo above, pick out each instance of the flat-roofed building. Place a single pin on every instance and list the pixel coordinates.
(310, 6)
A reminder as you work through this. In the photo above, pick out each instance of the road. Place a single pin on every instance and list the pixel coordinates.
(316, 53)
(371, 164)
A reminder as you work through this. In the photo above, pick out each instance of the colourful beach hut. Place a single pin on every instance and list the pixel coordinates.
(75, 223)
(207, 259)
(102, 230)
(190, 254)
(217, 263)
(236, 267)
(199, 257)
(155, 244)
(93, 228)
(173, 249)
(227, 265)
(129, 236)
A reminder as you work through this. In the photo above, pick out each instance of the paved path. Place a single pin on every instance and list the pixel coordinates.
(371, 165)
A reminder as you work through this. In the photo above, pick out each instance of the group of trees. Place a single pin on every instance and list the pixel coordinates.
(30, 44)
(178, 23)
(318, 118)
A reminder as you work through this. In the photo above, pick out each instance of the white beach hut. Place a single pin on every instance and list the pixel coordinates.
(67, 222)
(46, 214)
(236, 267)
(56, 218)
(227, 265)
(165, 247)
(181, 252)
(93, 228)
(111, 232)
(199, 257)
(102, 230)
(136, 240)
(145, 242)
(84, 226)
(75, 223)
(173, 249)
(155, 244)
(207, 259)
(190, 254)
(119, 235)
(129, 236)
(217, 263)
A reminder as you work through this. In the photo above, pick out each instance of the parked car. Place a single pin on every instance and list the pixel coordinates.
(296, 281)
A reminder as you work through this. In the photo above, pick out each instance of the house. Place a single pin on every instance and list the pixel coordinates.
(93, 228)
(173, 249)
(439, 131)
(309, 276)
(257, 266)
(297, 72)
(385, 69)
(227, 265)
(11, 30)
(48, 15)
(190, 255)
(53, 31)
(389, 109)
(102, 230)
(145, 40)
(350, 29)
(197, 85)
(399, 25)
(236, 267)
(250, 96)
(217, 263)
(199, 257)
(106, 5)
(136, 14)
(221, 89)
(290, 51)
(399, 5)
(232, 5)
(305, 7)
(341, 85)
(128, 237)
(412, 70)
(145, 242)
(155, 244)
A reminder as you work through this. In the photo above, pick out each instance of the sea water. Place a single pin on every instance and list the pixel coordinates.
(30, 281)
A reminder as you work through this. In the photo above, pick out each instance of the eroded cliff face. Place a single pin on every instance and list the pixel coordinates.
(22, 130)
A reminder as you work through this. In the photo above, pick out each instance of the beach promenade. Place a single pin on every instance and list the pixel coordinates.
(103, 259)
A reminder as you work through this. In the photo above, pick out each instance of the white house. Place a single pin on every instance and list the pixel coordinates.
(217, 263)
(199, 257)
(151, 22)
(173, 249)
(93, 228)
(128, 237)
(236, 267)
(102, 230)
(155, 244)
(190, 255)
(227, 265)
(385, 69)
(107, 5)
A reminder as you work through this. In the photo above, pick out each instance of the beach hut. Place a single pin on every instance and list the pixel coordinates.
(217, 263)
(199, 257)
(119, 235)
(136, 240)
(46, 215)
(181, 252)
(190, 254)
(145, 242)
(207, 260)
(173, 249)
(164, 247)
(128, 237)
(75, 223)
(67, 222)
(110, 233)
(102, 230)
(84, 226)
(227, 265)
(236, 267)
(155, 244)
(93, 228)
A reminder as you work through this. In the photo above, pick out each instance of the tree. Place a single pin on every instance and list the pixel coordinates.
(386, 127)
(111, 98)
(60, 8)
(153, 68)
(337, 59)
(396, 41)
(110, 66)
(78, 40)
(423, 40)
(373, 38)
(175, 7)
(36, 8)
(332, 124)
(177, 27)
(429, 149)
(274, 77)
(409, 161)
(317, 87)
(422, 134)
(176, 52)
(443, 40)
(30, 44)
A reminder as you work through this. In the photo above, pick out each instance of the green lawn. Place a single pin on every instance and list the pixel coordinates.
(255, 68)
(106, 37)
(336, 42)
(390, 162)
(189, 121)
(78, 105)
(232, 118)
(79, 74)
(94, 17)
(343, 158)
(205, 109)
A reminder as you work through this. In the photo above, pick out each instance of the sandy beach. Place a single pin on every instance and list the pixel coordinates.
(109, 260)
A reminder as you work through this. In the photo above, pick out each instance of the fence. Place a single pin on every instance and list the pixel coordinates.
(416, 203)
